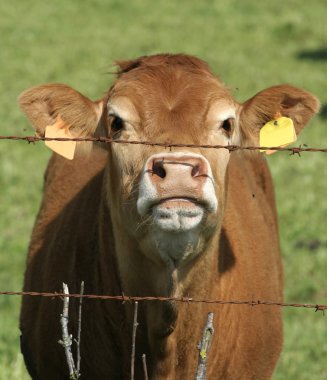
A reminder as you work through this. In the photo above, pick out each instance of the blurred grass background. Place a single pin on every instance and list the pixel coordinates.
(251, 45)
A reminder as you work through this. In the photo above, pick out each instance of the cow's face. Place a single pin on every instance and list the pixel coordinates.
(169, 201)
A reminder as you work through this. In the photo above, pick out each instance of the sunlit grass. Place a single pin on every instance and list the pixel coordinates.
(13, 369)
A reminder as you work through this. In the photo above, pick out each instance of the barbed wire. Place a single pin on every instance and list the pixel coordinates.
(125, 298)
(230, 148)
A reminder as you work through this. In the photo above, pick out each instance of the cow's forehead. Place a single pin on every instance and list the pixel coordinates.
(170, 92)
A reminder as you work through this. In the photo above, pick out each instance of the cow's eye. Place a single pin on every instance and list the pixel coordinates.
(117, 124)
(227, 125)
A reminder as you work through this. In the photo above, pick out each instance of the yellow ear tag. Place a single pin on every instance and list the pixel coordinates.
(278, 132)
(64, 148)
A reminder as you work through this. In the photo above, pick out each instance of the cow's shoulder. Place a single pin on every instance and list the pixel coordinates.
(71, 198)
(249, 238)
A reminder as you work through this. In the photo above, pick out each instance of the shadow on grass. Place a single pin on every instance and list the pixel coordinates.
(314, 55)
(310, 245)
(323, 111)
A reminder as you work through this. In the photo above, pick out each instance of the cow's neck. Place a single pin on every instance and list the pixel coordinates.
(143, 276)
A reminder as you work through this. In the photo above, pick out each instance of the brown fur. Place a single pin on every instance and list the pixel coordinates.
(88, 229)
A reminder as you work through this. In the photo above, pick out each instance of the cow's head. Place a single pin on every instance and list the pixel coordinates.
(169, 200)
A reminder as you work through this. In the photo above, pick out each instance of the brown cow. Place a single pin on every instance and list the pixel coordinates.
(151, 221)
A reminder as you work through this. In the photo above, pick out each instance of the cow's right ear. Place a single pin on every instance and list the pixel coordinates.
(46, 104)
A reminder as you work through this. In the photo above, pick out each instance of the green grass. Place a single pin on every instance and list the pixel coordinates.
(251, 45)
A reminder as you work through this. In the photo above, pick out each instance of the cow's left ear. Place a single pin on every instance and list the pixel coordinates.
(286, 100)
(63, 108)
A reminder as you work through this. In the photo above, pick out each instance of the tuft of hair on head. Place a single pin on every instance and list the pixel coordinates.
(162, 60)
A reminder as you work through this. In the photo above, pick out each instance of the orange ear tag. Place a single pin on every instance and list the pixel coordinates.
(278, 132)
(63, 148)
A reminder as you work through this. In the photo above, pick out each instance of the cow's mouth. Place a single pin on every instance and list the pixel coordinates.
(178, 201)
(177, 213)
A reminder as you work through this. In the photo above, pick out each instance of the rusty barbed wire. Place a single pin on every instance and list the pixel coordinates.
(126, 298)
(230, 148)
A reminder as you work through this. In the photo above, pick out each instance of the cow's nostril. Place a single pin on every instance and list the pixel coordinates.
(195, 171)
(158, 169)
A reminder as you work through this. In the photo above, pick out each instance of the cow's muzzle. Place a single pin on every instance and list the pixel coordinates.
(177, 189)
